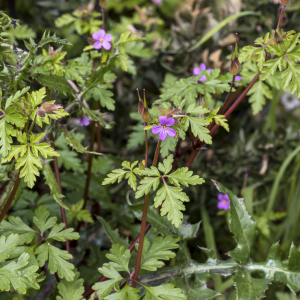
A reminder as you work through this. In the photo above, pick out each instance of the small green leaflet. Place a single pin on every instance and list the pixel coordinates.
(11, 275)
(82, 215)
(27, 155)
(159, 250)
(71, 290)
(16, 96)
(168, 196)
(129, 171)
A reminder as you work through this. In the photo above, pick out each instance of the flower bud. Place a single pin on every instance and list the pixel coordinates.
(103, 3)
(142, 165)
(285, 2)
(271, 41)
(41, 112)
(235, 66)
(146, 115)
(50, 108)
(141, 104)
(275, 1)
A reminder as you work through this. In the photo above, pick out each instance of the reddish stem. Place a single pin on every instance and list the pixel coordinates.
(10, 198)
(62, 210)
(131, 248)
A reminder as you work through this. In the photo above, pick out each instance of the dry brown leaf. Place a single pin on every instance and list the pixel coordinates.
(229, 39)
(215, 58)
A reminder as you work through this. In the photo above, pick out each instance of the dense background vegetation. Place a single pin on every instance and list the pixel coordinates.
(257, 160)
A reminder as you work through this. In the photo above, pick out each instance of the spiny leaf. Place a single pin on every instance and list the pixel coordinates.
(241, 225)
(164, 292)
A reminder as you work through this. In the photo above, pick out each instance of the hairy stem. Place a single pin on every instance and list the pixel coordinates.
(62, 210)
(10, 198)
(143, 225)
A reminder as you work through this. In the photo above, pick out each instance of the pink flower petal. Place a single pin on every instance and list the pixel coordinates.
(202, 67)
(163, 135)
(101, 33)
(108, 38)
(196, 71)
(220, 197)
(203, 78)
(238, 78)
(170, 122)
(106, 45)
(220, 205)
(156, 129)
(163, 120)
(171, 132)
(97, 45)
(96, 36)
(208, 70)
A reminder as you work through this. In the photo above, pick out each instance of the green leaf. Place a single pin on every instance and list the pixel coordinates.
(185, 177)
(129, 171)
(17, 226)
(36, 97)
(104, 288)
(82, 215)
(54, 82)
(57, 233)
(247, 287)
(113, 235)
(168, 145)
(6, 133)
(16, 96)
(29, 163)
(146, 184)
(159, 250)
(128, 36)
(241, 225)
(11, 274)
(57, 260)
(166, 166)
(104, 96)
(7, 245)
(47, 38)
(259, 93)
(71, 290)
(126, 293)
(120, 257)
(41, 219)
(164, 292)
(170, 199)
(198, 127)
(53, 185)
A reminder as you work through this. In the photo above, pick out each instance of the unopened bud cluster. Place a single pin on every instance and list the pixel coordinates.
(142, 108)
(48, 108)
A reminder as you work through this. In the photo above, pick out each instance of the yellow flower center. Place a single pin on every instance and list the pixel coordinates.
(165, 127)
(101, 40)
(224, 201)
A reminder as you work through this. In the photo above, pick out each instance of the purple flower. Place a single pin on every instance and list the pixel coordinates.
(223, 202)
(238, 78)
(102, 39)
(84, 121)
(197, 71)
(157, 1)
(164, 130)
